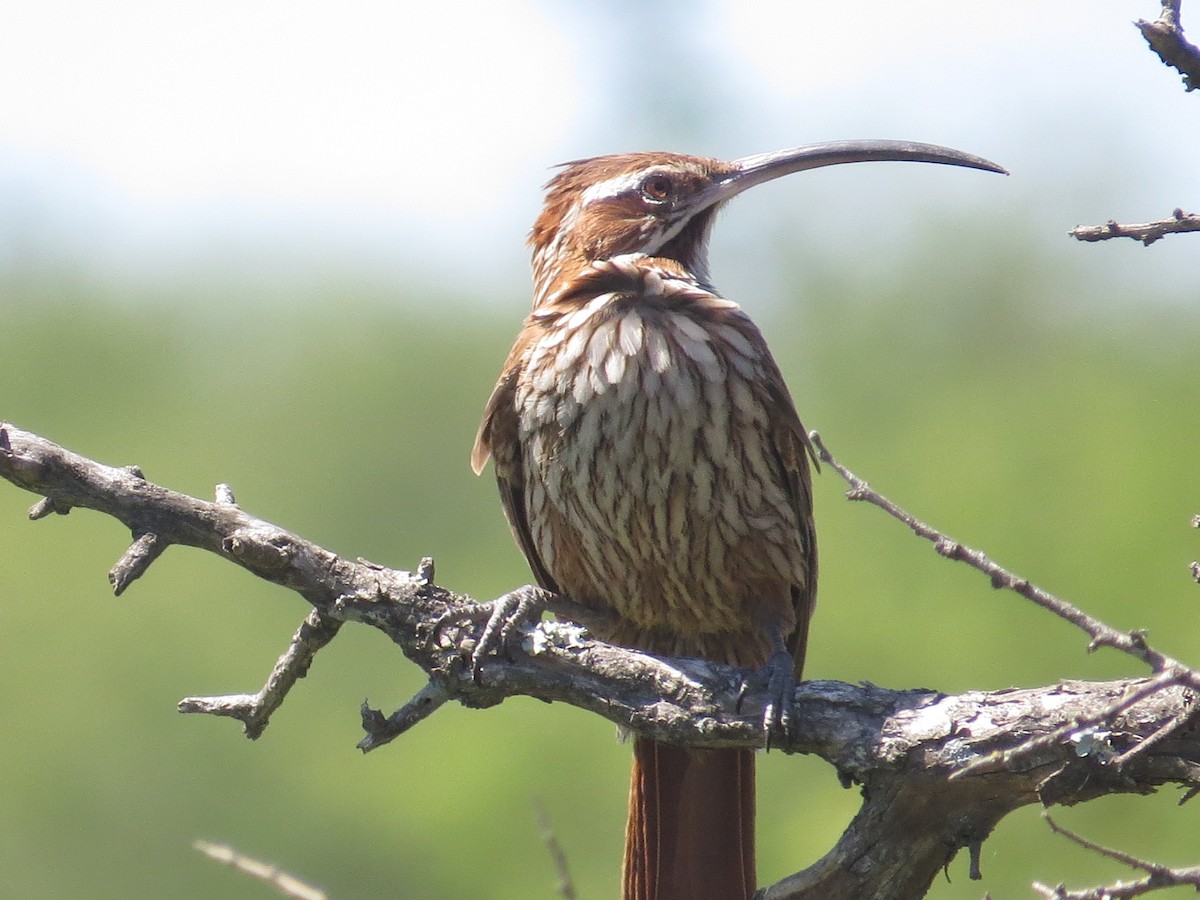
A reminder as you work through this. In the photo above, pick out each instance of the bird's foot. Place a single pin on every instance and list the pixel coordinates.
(780, 672)
(504, 619)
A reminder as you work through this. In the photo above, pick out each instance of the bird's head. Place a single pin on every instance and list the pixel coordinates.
(664, 204)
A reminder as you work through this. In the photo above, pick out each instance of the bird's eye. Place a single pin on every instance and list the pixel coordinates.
(656, 188)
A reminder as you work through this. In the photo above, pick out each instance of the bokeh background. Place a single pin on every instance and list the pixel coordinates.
(280, 245)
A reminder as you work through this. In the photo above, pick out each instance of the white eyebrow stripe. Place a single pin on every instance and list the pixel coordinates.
(620, 184)
(612, 187)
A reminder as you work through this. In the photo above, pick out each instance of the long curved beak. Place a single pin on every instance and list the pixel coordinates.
(751, 170)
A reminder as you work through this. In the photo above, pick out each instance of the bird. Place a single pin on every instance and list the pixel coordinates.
(653, 468)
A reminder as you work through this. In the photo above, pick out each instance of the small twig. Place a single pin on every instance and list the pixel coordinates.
(1195, 566)
(135, 561)
(974, 853)
(1147, 743)
(1101, 634)
(254, 710)
(565, 887)
(48, 506)
(1159, 876)
(287, 885)
(1168, 671)
(1165, 37)
(1008, 758)
(382, 730)
(1119, 855)
(1146, 232)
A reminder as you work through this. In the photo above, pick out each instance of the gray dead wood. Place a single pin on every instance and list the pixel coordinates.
(906, 750)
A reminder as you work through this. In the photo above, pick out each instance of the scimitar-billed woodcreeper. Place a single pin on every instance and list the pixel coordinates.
(653, 468)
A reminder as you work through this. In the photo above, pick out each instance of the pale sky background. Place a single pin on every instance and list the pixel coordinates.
(410, 140)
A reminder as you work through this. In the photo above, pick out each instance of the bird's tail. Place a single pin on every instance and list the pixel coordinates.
(691, 824)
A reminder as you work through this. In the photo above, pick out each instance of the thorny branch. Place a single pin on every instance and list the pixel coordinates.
(938, 772)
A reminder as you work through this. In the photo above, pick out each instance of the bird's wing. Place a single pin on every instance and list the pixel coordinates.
(499, 437)
(793, 451)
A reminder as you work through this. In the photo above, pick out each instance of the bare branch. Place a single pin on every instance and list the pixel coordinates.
(565, 887)
(1101, 634)
(47, 507)
(254, 710)
(904, 747)
(382, 730)
(135, 562)
(1165, 37)
(1194, 567)
(338, 589)
(1082, 731)
(1146, 232)
(1159, 876)
(1119, 855)
(1169, 672)
(285, 884)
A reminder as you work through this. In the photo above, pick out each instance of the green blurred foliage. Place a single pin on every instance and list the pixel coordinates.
(974, 386)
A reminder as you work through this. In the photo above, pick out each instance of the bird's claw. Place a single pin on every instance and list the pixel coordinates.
(504, 618)
(780, 672)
